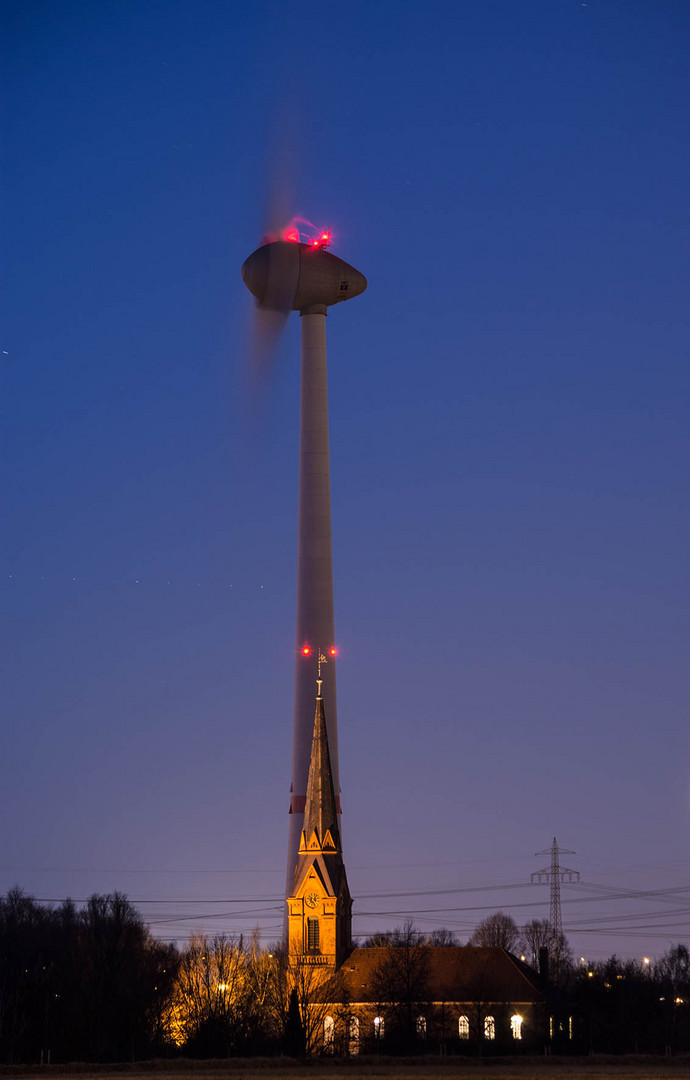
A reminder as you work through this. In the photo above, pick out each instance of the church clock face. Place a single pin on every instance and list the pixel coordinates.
(312, 899)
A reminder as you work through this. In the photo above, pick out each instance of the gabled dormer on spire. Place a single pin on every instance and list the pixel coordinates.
(319, 905)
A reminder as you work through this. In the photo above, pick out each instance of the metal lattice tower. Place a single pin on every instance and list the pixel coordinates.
(554, 875)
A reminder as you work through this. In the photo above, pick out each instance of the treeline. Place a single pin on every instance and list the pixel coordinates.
(80, 985)
(628, 1007)
(92, 984)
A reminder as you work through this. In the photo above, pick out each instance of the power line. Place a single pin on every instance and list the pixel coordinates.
(443, 892)
(610, 893)
(213, 915)
(168, 900)
(242, 870)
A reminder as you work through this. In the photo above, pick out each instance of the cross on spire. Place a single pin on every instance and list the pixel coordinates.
(319, 681)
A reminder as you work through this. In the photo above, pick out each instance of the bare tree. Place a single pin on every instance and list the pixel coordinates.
(442, 936)
(212, 1005)
(534, 936)
(499, 930)
(481, 999)
(400, 936)
(401, 980)
(380, 938)
(672, 972)
(538, 935)
(260, 977)
(319, 993)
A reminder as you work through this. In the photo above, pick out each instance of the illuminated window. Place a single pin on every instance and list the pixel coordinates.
(463, 1027)
(551, 1027)
(353, 1036)
(516, 1026)
(328, 1034)
(312, 934)
(379, 1027)
(421, 1027)
(489, 1027)
(570, 1027)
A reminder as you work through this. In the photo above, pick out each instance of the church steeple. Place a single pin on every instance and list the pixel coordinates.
(320, 814)
(319, 905)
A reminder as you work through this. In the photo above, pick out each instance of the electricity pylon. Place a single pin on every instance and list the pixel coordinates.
(553, 875)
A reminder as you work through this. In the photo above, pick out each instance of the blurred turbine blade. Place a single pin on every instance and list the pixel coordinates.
(281, 170)
(272, 274)
(279, 287)
(277, 209)
(267, 330)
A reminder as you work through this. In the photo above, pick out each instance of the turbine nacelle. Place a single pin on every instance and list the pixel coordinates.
(287, 276)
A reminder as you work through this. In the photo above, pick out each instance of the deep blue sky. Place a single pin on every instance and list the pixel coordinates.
(509, 425)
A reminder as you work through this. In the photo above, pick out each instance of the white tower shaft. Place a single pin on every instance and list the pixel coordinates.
(315, 621)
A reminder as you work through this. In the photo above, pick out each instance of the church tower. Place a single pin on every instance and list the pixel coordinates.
(319, 905)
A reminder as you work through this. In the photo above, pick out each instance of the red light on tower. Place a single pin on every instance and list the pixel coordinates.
(291, 234)
(333, 651)
(306, 650)
(323, 240)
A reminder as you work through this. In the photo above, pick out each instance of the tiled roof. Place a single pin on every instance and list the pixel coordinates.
(451, 973)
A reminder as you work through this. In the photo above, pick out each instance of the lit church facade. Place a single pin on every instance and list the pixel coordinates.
(453, 998)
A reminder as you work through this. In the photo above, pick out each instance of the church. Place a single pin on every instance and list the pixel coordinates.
(406, 997)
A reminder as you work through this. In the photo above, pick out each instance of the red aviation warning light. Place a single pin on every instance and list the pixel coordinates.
(323, 240)
(296, 235)
(306, 650)
(332, 651)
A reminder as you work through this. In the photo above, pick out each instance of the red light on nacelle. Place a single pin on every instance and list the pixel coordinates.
(306, 650)
(323, 240)
(333, 651)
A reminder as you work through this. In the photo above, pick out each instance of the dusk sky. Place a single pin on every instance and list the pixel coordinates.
(509, 448)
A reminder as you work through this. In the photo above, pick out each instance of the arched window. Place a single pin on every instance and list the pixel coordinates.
(328, 1034)
(489, 1027)
(421, 1027)
(463, 1027)
(312, 935)
(353, 1036)
(379, 1027)
(516, 1026)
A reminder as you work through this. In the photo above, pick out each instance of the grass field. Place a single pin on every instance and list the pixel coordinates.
(593, 1068)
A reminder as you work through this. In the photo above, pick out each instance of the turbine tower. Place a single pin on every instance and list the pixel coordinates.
(287, 275)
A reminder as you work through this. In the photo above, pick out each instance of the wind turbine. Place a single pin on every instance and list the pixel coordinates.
(287, 275)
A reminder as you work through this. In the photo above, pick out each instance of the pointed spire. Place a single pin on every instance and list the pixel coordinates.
(320, 814)
(320, 893)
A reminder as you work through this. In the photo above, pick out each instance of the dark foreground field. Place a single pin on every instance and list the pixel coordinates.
(592, 1068)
